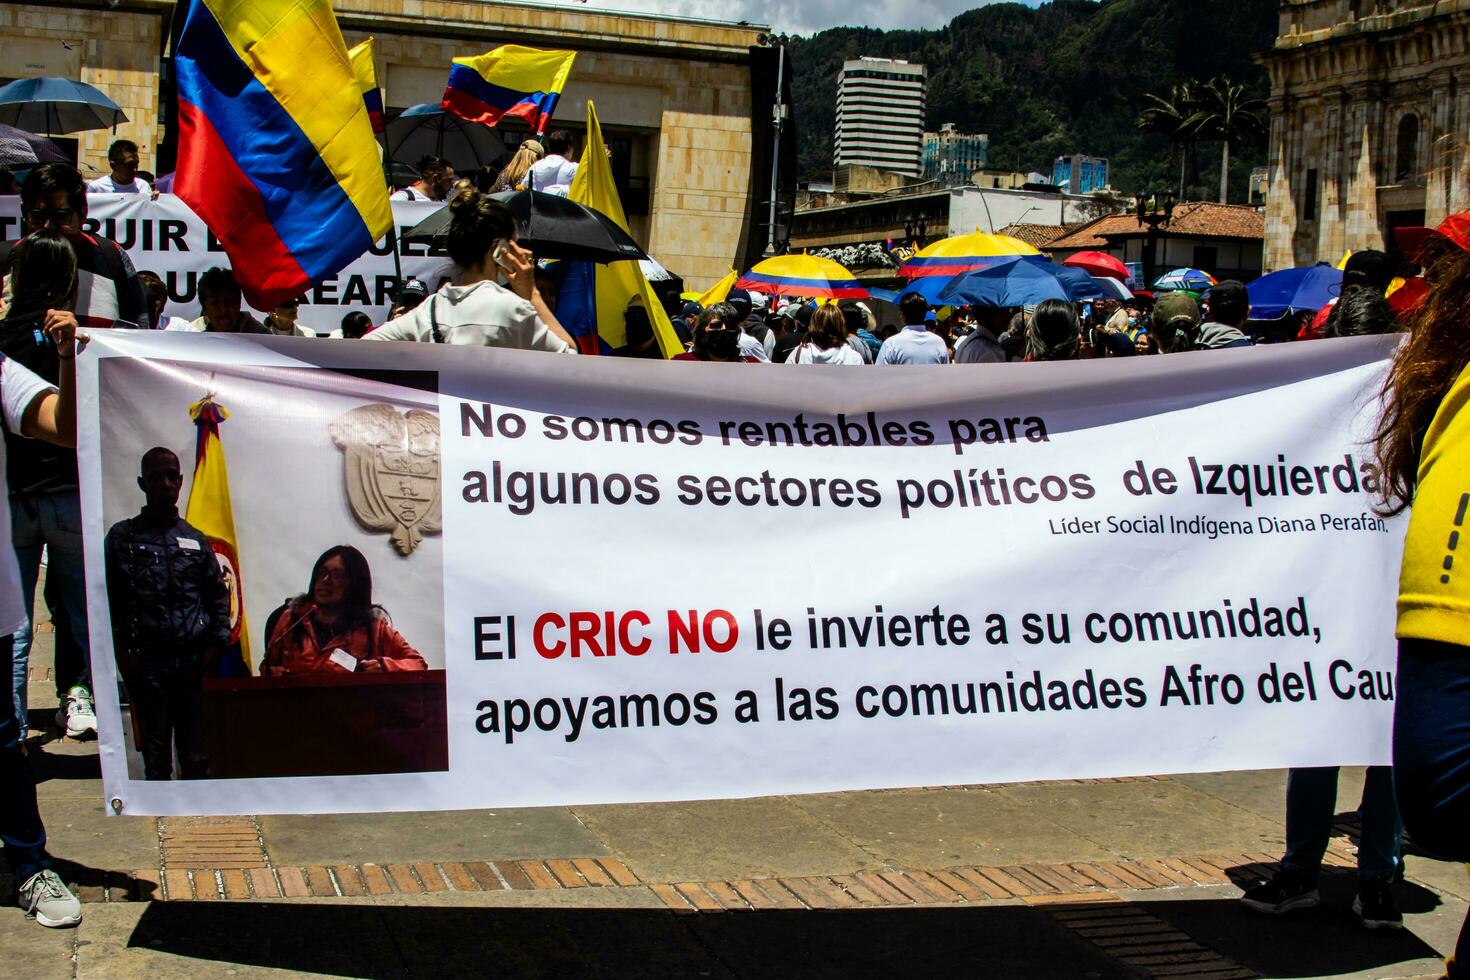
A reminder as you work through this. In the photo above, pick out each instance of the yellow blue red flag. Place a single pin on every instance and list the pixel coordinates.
(618, 283)
(276, 150)
(511, 80)
(365, 70)
(210, 512)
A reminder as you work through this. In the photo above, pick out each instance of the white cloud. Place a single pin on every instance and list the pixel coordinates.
(808, 16)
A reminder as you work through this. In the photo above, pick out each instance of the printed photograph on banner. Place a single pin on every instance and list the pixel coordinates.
(274, 569)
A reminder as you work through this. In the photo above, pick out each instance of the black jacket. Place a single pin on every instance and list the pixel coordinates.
(166, 596)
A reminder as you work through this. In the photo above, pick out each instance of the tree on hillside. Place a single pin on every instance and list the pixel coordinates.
(1223, 111)
(1169, 117)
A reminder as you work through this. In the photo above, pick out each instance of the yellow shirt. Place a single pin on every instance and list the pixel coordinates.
(1434, 584)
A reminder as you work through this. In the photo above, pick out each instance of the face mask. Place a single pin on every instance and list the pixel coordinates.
(722, 344)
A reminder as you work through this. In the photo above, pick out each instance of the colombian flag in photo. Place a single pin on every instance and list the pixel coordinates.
(276, 150)
(211, 513)
(365, 70)
(509, 81)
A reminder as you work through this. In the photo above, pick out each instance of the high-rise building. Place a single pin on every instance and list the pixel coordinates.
(951, 157)
(1078, 174)
(880, 116)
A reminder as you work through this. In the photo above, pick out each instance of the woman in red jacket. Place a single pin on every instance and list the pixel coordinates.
(334, 627)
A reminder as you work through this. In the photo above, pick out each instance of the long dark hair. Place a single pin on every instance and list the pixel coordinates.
(357, 602)
(1053, 332)
(43, 274)
(1436, 353)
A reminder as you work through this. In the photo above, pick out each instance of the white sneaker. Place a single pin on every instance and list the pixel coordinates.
(52, 903)
(77, 718)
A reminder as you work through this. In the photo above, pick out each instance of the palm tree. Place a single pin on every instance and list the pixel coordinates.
(1223, 112)
(1168, 117)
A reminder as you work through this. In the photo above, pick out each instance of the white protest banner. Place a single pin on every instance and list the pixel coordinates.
(165, 237)
(651, 581)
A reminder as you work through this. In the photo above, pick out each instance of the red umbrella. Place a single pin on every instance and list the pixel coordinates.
(1099, 264)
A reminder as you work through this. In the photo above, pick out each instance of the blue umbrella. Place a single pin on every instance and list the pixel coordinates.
(57, 106)
(1016, 283)
(1294, 290)
(1080, 285)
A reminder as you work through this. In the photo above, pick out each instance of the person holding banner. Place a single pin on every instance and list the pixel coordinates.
(223, 306)
(32, 408)
(334, 627)
(477, 310)
(109, 293)
(1423, 448)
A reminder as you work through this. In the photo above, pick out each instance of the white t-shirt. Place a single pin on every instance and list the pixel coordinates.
(841, 354)
(106, 185)
(18, 388)
(551, 174)
(245, 324)
(752, 347)
(409, 193)
(484, 314)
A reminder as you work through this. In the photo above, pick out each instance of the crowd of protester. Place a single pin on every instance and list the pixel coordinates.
(59, 277)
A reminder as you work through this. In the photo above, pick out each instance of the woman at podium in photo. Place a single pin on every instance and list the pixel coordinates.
(334, 627)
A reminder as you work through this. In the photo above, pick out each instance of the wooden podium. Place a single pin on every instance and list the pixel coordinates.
(326, 724)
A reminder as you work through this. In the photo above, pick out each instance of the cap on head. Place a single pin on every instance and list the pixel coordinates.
(1229, 302)
(691, 308)
(740, 299)
(412, 287)
(1369, 267)
(1176, 308)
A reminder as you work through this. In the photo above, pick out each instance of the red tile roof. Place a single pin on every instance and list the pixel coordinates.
(1194, 219)
(1036, 235)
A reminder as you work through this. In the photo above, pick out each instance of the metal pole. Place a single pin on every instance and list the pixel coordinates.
(776, 117)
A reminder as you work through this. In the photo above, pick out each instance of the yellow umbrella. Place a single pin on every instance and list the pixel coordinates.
(964, 253)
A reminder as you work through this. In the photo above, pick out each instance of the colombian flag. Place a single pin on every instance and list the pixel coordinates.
(276, 150)
(365, 70)
(720, 290)
(617, 282)
(211, 514)
(509, 81)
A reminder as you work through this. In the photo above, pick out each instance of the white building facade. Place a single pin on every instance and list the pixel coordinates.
(880, 116)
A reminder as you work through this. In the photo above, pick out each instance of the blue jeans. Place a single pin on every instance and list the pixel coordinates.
(21, 833)
(55, 521)
(1311, 802)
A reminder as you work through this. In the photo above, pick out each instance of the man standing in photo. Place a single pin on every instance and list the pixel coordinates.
(170, 617)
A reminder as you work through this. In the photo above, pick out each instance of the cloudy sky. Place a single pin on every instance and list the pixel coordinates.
(808, 16)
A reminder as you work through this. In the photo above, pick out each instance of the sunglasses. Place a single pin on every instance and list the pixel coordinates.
(41, 216)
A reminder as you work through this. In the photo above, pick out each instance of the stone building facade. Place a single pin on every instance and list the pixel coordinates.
(673, 95)
(1370, 115)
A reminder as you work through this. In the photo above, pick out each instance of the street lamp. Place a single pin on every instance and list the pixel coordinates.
(1156, 212)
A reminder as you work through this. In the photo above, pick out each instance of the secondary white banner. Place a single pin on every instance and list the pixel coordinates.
(165, 237)
(481, 578)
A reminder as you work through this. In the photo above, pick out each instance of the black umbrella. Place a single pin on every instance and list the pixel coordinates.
(551, 226)
(19, 148)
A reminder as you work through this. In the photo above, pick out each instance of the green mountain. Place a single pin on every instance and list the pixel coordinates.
(1066, 77)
